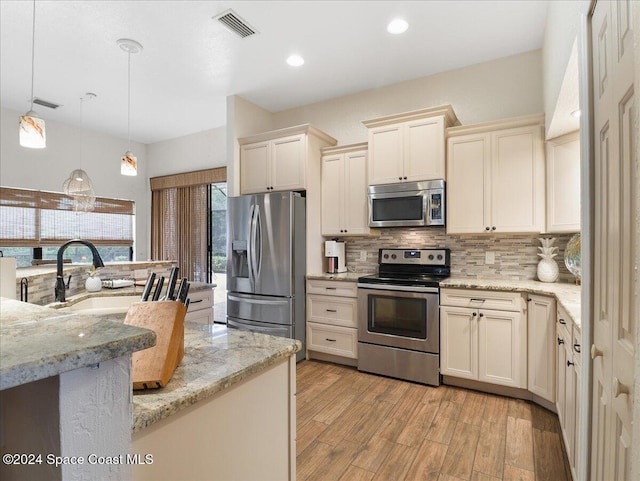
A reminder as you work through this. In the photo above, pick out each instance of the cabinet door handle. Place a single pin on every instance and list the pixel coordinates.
(577, 348)
(619, 388)
(595, 352)
(331, 288)
(474, 314)
(569, 363)
(331, 310)
(475, 299)
(529, 299)
(481, 314)
(405, 178)
(493, 228)
(487, 228)
(562, 321)
(195, 302)
(560, 341)
(330, 340)
(399, 178)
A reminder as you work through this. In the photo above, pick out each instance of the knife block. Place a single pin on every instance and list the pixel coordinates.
(153, 368)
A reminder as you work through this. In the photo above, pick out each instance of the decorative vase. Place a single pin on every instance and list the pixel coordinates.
(572, 257)
(548, 270)
(93, 284)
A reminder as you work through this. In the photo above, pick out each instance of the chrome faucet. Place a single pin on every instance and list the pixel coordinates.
(60, 285)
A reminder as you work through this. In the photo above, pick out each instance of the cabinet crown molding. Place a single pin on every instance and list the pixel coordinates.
(442, 110)
(307, 129)
(513, 122)
(343, 149)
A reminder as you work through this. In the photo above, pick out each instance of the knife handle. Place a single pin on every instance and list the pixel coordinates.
(173, 277)
(147, 287)
(158, 291)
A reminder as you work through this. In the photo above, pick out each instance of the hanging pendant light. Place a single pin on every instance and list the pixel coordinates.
(32, 131)
(79, 186)
(129, 162)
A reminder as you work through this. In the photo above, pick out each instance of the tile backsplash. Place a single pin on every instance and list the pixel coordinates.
(515, 254)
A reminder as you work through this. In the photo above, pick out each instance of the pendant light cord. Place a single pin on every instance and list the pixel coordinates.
(129, 102)
(33, 48)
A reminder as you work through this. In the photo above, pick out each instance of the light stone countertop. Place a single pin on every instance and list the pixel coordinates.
(37, 342)
(215, 358)
(568, 295)
(123, 291)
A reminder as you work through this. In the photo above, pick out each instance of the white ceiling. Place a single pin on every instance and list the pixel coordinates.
(190, 63)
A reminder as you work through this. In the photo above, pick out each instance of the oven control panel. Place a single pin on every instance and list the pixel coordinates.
(425, 257)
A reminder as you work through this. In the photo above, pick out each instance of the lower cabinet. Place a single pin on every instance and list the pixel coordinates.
(568, 381)
(332, 319)
(541, 355)
(200, 307)
(481, 344)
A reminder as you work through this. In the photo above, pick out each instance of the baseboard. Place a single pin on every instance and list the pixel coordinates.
(321, 356)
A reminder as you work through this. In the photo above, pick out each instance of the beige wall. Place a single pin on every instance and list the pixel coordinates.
(199, 151)
(506, 87)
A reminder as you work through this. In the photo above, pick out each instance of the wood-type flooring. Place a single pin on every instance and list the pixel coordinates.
(353, 426)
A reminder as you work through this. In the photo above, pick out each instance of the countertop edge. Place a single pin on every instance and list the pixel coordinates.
(143, 418)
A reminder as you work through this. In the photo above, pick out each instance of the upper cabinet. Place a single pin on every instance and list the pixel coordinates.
(344, 190)
(563, 183)
(495, 177)
(279, 160)
(409, 147)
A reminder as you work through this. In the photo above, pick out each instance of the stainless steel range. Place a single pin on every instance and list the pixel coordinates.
(398, 314)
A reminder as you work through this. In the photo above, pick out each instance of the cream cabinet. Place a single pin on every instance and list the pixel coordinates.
(344, 190)
(563, 183)
(541, 353)
(483, 336)
(200, 307)
(408, 147)
(279, 160)
(495, 177)
(568, 381)
(332, 317)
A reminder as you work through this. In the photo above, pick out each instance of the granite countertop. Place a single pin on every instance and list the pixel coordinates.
(37, 342)
(568, 295)
(215, 358)
(123, 291)
(344, 276)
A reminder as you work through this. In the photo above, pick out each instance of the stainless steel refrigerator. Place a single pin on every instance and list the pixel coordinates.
(266, 264)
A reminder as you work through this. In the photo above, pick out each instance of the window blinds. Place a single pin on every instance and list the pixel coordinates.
(34, 218)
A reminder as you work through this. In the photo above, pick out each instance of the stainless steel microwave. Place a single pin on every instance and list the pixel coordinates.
(407, 204)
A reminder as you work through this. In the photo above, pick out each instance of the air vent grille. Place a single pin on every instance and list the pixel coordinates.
(235, 23)
(45, 103)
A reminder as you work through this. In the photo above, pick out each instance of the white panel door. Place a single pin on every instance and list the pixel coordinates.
(502, 348)
(254, 167)
(517, 180)
(459, 342)
(541, 346)
(468, 175)
(356, 218)
(288, 162)
(385, 154)
(424, 149)
(332, 194)
(616, 184)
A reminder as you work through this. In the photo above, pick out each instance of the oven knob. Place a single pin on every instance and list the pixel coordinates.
(439, 257)
(386, 256)
(430, 257)
(393, 256)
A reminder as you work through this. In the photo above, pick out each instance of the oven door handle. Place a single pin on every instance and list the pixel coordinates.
(390, 287)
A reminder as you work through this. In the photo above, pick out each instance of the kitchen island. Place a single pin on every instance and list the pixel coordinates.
(232, 394)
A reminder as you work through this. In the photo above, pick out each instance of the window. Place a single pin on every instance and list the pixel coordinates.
(33, 224)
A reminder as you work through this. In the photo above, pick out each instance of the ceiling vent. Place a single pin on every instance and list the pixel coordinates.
(232, 21)
(45, 103)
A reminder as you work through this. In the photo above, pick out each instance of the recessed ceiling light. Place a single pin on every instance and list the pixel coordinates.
(397, 26)
(295, 60)
(576, 114)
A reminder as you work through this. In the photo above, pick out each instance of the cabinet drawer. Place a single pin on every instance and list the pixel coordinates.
(203, 316)
(477, 299)
(200, 300)
(336, 340)
(332, 288)
(337, 311)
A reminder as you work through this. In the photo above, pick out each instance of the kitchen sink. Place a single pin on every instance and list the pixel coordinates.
(103, 304)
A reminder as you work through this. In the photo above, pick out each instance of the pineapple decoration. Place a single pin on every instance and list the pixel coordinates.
(548, 270)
